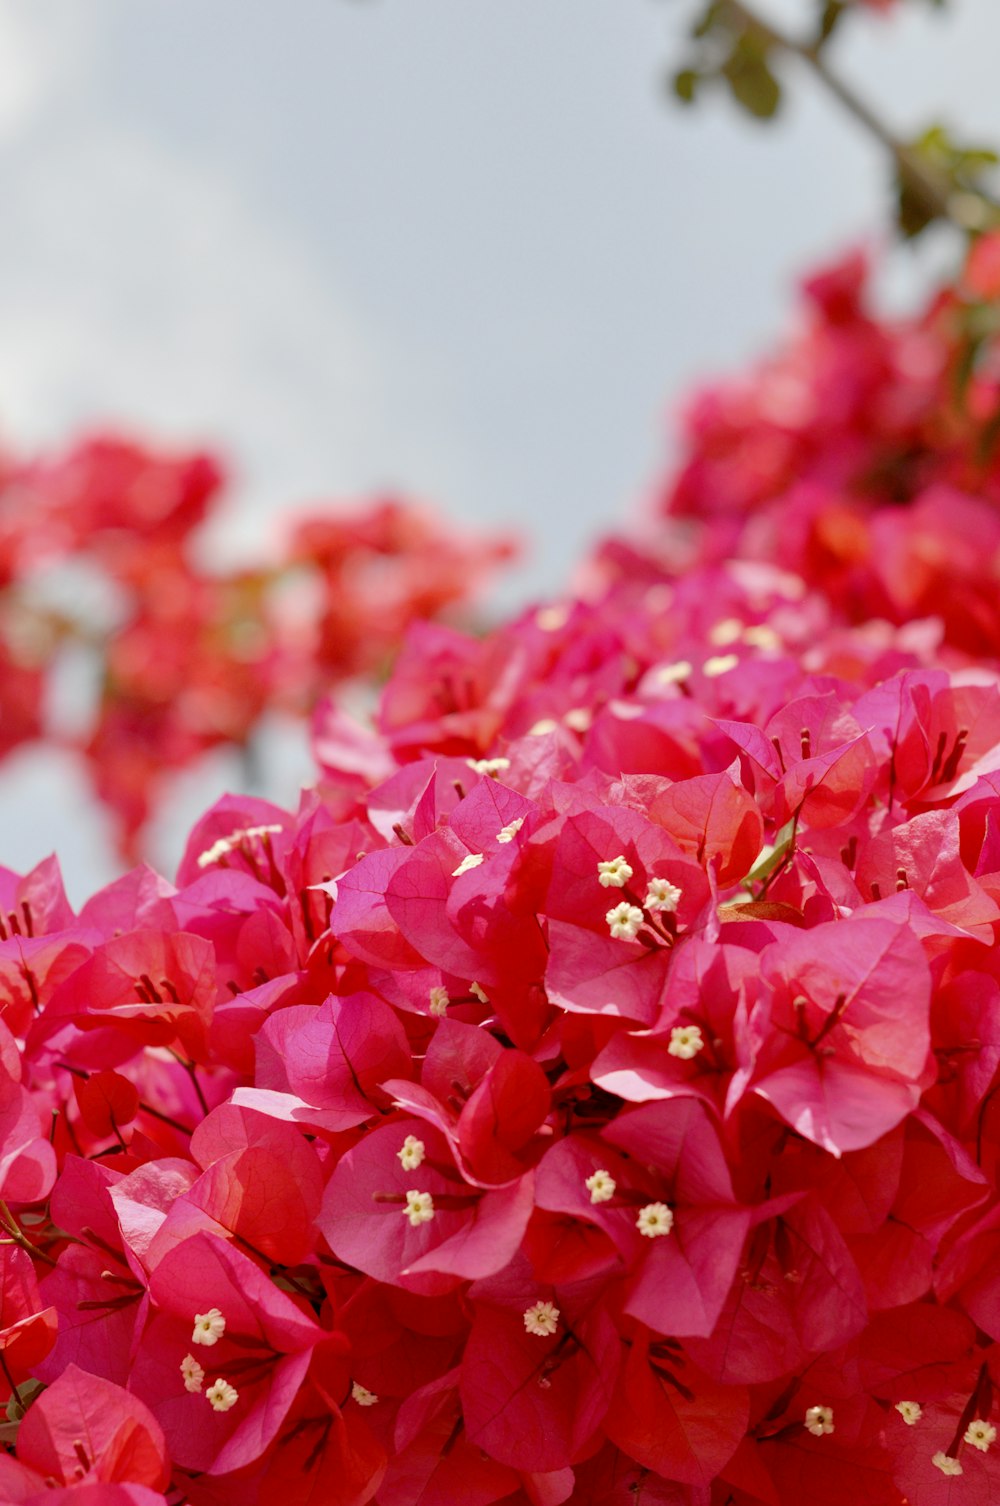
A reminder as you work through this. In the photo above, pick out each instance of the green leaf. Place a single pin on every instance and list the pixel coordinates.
(749, 76)
(685, 84)
(771, 857)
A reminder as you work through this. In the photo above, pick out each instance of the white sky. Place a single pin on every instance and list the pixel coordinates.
(468, 249)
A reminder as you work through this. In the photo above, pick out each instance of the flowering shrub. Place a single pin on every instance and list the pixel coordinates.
(191, 658)
(589, 1093)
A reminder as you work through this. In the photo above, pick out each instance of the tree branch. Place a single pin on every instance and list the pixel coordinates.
(932, 190)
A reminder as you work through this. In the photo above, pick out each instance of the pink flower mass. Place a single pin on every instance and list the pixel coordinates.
(590, 1092)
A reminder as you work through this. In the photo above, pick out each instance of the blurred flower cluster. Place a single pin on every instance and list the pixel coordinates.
(591, 1091)
(101, 570)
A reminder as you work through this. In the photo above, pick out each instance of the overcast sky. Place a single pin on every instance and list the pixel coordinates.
(467, 249)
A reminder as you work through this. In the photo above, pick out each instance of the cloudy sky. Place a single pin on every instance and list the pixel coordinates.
(467, 249)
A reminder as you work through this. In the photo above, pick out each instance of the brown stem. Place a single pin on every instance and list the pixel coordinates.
(929, 187)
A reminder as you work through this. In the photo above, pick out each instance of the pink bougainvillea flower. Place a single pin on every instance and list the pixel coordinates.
(221, 1398)
(838, 1040)
(83, 1428)
(411, 1219)
(533, 1400)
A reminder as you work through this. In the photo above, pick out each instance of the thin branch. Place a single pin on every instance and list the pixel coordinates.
(931, 189)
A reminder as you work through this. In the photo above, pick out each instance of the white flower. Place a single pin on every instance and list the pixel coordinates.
(980, 1434)
(720, 664)
(910, 1411)
(194, 1375)
(363, 1396)
(438, 1000)
(491, 766)
(551, 619)
(542, 1318)
(412, 1154)
(945, 1463)
(624, 921)
(662, 895)
(471, 860)
(761, 636)
(614, 874)
(819, 1420)
(601, 1186)
(509, 832)
(685, 1041)
(674, 674)
(725, 632)
(479, 993)
(208, 1327)
(222, 1395)
(225, 845)
(655, 1220)
(419, 1208)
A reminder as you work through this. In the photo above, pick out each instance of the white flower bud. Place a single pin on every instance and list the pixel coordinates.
(662, 895)
(614, 874)
(221, 1395)
(624, 921)
(685, 1041)
(542, 1319)
(470, 861)
(601, 1186)
(946, 1464)
(412, 1154)
(208, 1327)
(655, 1220)
(819, 1420)
(419, 1208)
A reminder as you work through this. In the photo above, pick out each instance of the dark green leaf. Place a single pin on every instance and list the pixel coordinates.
(750, 78)
(686, 83)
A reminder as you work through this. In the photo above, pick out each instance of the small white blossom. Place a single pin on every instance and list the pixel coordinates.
(363, 1396)
(438, 1000)
(980, 1434)
(543, 727)
(910, 1411)
(946, 1464)
(412, 1154)
(479, 993)
(614, 874)
(419, 1208)
(208, 1327)
(226, 845)
(194, 1375)
(655, 1220)
(471, 860)
(719, 664)
(491, 766)
(725, 632)
(685, 1041)
(579, 719)
(624, 921)
(222, 1395)
(662, 895)
(551, 619)
(542, 1319)
(675, 674)
(761, 636)
(601, 1186)
(509, 832)
(819, 1420)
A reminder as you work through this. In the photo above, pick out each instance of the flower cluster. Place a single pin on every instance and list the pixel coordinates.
(865, 455)
(590, 1093)
(100, 561)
